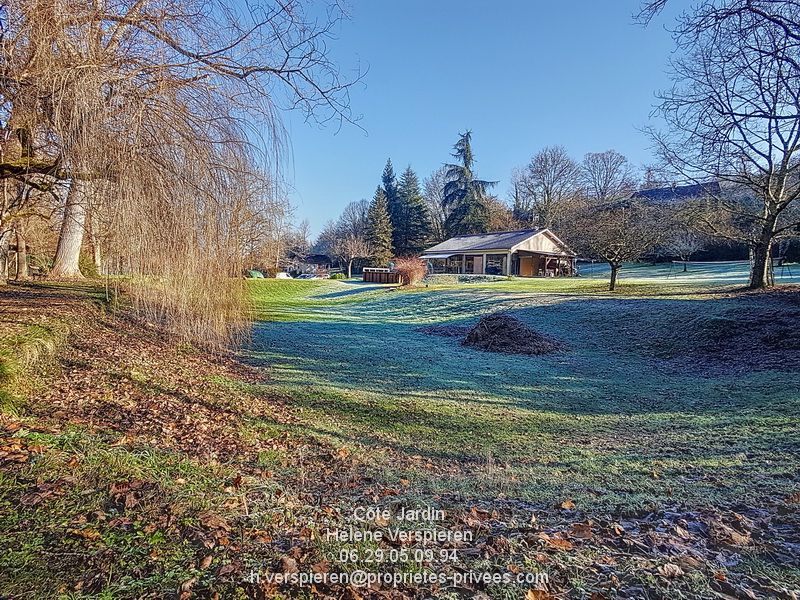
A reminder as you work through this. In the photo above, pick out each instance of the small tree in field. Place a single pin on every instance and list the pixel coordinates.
(619, 232)
(684, 243)
(349, 248)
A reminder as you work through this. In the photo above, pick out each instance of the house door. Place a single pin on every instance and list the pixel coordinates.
(526, 266)
(477, 266)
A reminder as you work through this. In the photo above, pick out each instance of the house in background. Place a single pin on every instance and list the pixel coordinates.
(525, 253)
(313, 264)
(675, 194)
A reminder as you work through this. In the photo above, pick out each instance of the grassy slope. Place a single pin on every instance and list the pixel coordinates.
(125, 461)
(608, 423)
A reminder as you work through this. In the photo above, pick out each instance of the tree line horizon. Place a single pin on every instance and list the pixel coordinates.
(552, 191)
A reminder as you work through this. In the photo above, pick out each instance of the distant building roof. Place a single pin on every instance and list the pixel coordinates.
(500, 240)
(680, 192)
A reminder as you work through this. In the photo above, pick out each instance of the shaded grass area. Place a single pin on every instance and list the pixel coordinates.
(620, 419)
(123, 470)
(31, 335)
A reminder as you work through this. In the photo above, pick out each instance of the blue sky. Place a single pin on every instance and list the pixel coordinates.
(520, 74)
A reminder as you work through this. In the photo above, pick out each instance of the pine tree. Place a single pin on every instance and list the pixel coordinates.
(465, 195)
(389, 183)
(379, 229)
(414, 223)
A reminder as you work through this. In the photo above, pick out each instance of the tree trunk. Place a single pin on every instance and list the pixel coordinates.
(68, 252)
(5, 241)
(685, 265)
(760, 255)
(349, 268)
(612, 285)
(22, 254)
(94, 243)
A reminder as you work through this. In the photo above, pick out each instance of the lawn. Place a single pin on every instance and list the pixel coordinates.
(623, 418)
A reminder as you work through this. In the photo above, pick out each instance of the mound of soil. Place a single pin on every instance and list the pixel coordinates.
(751, 337)
(508, 335)
(767, 339)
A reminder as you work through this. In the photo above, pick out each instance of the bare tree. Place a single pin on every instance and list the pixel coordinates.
(618, 232)
(160, 110)
(350, 247)
(354, 220)
(501, 217)
(607, 175)
(346, 237)
(433, 193)
(550, 182)
(521, 199)
(734, 117)
(684, 243)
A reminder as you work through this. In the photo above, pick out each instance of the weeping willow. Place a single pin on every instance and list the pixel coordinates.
(160, 118)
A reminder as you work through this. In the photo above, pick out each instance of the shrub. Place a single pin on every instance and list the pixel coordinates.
(338, 276)
(411, 270)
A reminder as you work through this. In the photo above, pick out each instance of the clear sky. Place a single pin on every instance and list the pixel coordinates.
(521, 74)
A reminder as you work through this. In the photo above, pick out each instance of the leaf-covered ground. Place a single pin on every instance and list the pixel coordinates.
(131, 467)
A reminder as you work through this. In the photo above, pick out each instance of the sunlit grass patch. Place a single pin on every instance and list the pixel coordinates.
(101, 514)
(24, 353)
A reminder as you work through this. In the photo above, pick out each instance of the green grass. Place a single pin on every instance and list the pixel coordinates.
(23, 355)
(49, 535)
(610, 422)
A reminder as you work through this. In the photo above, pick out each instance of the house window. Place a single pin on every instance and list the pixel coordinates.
(495, 264)
(454, 264)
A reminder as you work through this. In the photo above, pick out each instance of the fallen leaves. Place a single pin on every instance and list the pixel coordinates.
(288, 565)
(45, 490)
(88, 533)
(582, 530)
(721, 534)
(14, 450)
(670, 571)
(538, 595)
(211, 520)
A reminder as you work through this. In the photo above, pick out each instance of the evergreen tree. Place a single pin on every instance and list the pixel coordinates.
(465, 195)
(389, 184)
(379, 229)
(414, 221)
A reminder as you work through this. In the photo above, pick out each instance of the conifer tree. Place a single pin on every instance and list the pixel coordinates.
(379, 229)
(465, 195)
(389, 184)
(414, 224)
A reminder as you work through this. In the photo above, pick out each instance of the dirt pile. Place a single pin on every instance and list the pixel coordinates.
(506, 334)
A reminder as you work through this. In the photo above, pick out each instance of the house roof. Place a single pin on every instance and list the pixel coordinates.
(680, 192)
(500, 240)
